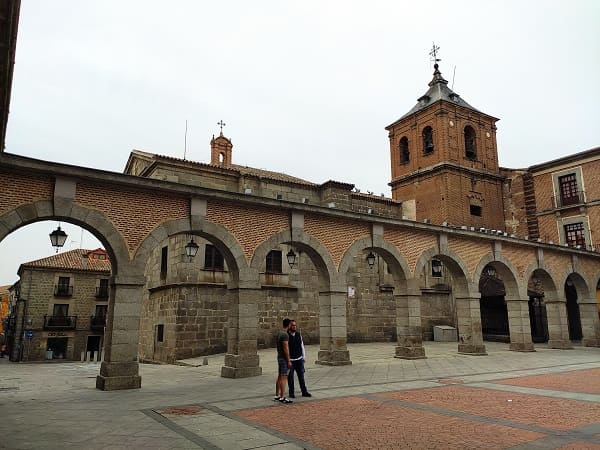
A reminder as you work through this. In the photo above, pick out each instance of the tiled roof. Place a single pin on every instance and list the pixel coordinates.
(79, 259)
(438, 91)
(242, 170)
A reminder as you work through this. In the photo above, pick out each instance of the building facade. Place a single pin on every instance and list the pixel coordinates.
(444, 166)
(60, 306)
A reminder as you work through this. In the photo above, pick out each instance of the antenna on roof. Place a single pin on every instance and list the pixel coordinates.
(185, 140)
(453, 73)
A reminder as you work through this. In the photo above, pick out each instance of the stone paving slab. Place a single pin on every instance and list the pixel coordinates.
(56, 406)
(586, 381)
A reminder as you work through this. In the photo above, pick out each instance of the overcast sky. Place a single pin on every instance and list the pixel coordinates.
(305, 88)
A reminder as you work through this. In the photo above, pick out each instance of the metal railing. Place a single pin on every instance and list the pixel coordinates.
(61, 290)
(97, 322)
(102, 292)
(577, 199)
(60, 322)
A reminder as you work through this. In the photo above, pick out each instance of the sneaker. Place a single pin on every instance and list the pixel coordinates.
(291, 396)
(285, 400)
(306, 394)
(277, 399)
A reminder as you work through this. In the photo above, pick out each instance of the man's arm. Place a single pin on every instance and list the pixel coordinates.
(286, 353)
(303, 350)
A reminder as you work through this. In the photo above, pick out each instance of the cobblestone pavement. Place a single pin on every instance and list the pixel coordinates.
(549, 399)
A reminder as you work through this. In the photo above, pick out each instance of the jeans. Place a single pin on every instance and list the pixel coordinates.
(298, 367)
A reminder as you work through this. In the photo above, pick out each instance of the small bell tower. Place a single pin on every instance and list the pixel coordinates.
(444, 159)
(220, 149)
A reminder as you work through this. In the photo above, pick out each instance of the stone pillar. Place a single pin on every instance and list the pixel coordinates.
(519, 325)
(590, 324)
(241, 359)
(470, 337)
(558, 324)
(408, 325)
(332, 329)
(120, 368)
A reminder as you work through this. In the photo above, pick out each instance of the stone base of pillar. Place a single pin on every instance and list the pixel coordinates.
(473, 350)
(334, 358)
(117, 383)
(239, 366)
(522, 347)
(404, 352)
(591, 342)
(560, 344)
(118, 375)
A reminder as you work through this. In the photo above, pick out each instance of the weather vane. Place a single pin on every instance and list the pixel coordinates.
(434, 54)
(221, 124)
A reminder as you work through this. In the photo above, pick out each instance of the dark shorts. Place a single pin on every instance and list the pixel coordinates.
(283, 368)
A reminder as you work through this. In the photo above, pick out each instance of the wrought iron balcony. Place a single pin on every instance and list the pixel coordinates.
(102, 292)
(577, 199)
(60, 322)
(97, 323)
(61, 290)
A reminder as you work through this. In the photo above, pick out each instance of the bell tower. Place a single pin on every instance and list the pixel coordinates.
(220, 149)
(444, 160)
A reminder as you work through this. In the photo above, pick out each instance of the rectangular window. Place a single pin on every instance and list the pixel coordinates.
(101, 311)
(213, 260)
(575, 234)
(475, 210)
(102, 288)
(163, 262)
(60, 316)
(99, 318)
(160, 333)
(569, 193)
(60, 310)
(274, 262)
(63, 288)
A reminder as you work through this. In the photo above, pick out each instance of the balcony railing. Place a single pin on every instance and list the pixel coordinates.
(576, 199)
(60, 322)
(61, 290)
(97, 323)
(102, 292)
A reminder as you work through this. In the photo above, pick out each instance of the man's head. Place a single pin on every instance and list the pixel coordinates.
(292, 326)
(286, 323)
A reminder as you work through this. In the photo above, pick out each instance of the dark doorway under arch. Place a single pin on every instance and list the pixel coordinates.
(494, 313)
(573, 316)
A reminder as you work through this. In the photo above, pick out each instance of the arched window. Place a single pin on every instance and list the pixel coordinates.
(427, 140)
(470, 145)
(404, 153)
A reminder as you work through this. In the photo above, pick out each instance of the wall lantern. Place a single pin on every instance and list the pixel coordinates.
(490, 271)
(371, 259)
(191, 249)
(291, 258)
(58, 238)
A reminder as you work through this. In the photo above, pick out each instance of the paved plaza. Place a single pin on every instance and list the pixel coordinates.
(548, 399)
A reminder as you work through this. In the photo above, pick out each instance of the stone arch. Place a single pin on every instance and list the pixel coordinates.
(393, 258)
(225, 242)
(556, 311)
(466, 297)
(120, 369)
(505, 269)
(515, 309)
(89, 219)
(332, 292)
(317, 252)
(454, 263)
(407, 308)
